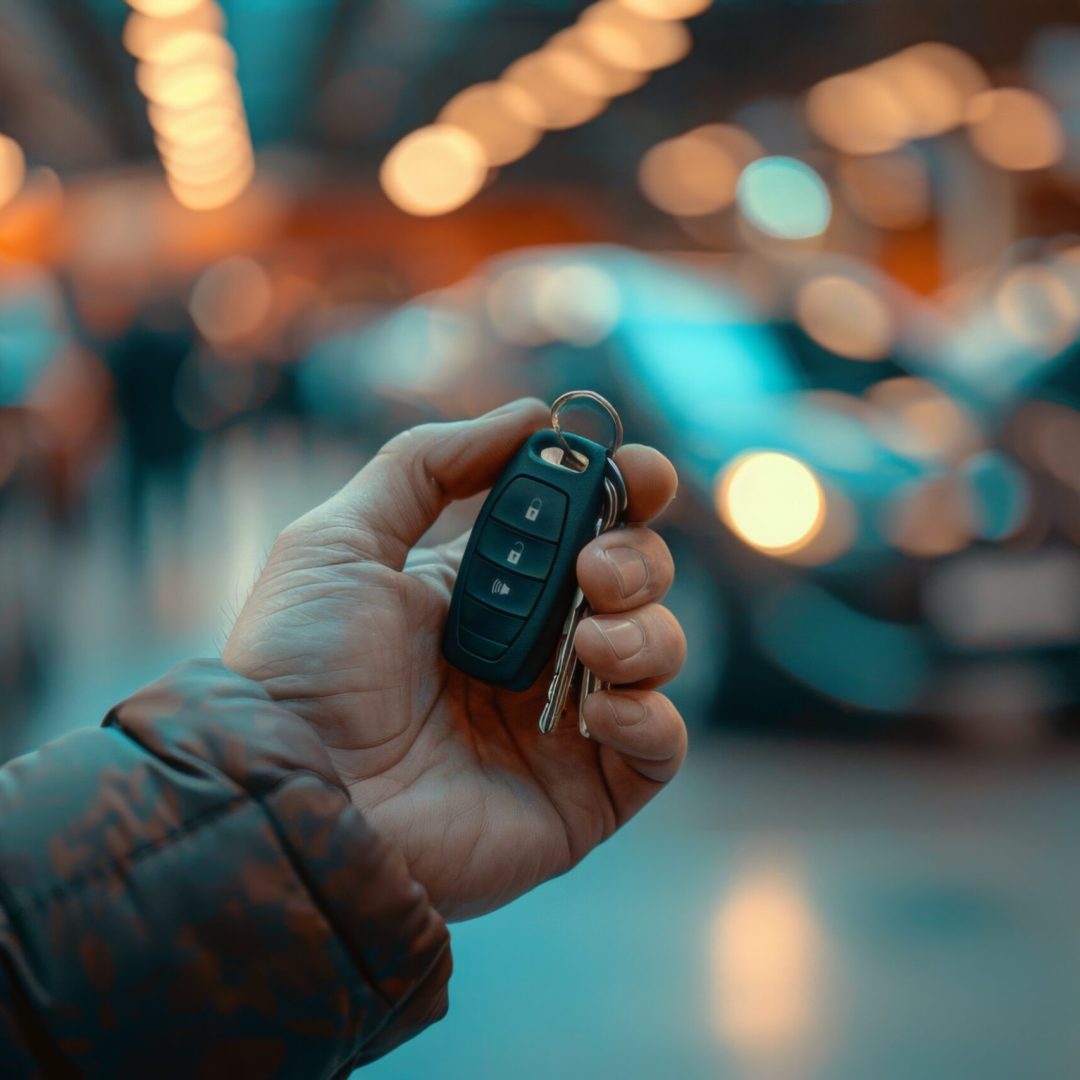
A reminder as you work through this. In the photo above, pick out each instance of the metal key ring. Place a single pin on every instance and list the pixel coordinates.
(562, 402)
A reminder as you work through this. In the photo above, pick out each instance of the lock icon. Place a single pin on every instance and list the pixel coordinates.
(534, 509)
(514, 556)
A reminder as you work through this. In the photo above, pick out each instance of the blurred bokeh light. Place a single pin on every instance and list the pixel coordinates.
(772, 501)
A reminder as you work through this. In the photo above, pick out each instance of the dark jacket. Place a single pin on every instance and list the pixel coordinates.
(187, 891)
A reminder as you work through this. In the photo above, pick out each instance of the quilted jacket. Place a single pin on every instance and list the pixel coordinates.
(187, 891)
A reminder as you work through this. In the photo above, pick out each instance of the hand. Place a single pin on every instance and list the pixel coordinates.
(347, 633)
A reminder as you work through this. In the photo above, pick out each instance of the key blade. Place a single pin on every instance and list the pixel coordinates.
(566, 664)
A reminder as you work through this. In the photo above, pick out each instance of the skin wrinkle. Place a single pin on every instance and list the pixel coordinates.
(573, 853)
(303, 540)
(609, 759)
(618, 816)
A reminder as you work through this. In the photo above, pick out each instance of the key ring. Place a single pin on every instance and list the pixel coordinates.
(562, 402)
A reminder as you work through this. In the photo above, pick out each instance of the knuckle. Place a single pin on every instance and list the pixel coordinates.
(671, 634)
(296, 534)
(665, 561)
(325, 537)
(669, 738)
(410, 445)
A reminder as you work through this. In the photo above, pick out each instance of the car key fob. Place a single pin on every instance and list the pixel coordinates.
(518, 577)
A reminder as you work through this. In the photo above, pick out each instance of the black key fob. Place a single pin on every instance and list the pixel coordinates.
(518, 577)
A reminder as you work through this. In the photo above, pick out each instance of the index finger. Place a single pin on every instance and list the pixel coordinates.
(651, 481)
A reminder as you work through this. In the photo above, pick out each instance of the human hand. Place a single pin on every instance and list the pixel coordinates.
(345, 627)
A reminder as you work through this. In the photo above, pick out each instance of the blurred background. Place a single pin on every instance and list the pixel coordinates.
(824, 253)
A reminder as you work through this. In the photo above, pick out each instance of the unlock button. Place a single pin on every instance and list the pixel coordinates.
(533, 508)
(514, 551)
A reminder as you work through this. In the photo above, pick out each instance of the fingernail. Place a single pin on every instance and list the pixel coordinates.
(630, 568)
(628, 712)
(623, 635)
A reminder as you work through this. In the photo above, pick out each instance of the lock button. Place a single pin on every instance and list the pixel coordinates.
(533, 508)
(516, 551)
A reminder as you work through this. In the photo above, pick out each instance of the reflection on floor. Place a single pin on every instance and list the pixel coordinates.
(790, 912)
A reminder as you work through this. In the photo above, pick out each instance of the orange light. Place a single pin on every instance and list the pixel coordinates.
(931, 519)
(180, 125)
(504, 118)
(627, 40)
(920, 92)
(845, 316)
(932, 103)
(578, 70)
(917, 419)
(858, 113)
(231, 159)
(891, 191)
(214, 195)
(592, 74)
(667, 9)
(231, 300)
(561, 103)
(1016, 130)
(190, 47)
(202, 146)
(12, 170)
(962, 73)
(768, 958)
(143, 35)
(165, 9)
(434, 170)
(697, 173)
(186, 87)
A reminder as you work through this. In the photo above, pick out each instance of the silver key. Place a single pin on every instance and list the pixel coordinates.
(567, 664)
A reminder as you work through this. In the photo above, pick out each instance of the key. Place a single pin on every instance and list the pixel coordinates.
(567, 663)
(618, 499)
(518, 578)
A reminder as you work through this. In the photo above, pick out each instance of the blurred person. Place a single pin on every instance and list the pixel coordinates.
(145, 360)
(249, 868)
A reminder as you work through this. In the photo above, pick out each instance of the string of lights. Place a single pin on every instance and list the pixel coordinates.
(611, 50)
(187, 73)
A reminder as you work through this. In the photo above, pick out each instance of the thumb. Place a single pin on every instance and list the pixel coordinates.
(401, 492)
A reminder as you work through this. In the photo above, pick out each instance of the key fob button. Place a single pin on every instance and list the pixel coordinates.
(501, 589)
(480, 646)
(533, 508)
(480, 620)
(516, 551)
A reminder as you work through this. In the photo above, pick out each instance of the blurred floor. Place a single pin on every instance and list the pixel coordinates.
(784, 911)
(789, 911)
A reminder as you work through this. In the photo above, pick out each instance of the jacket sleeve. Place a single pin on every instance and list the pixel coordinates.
(187, 891)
